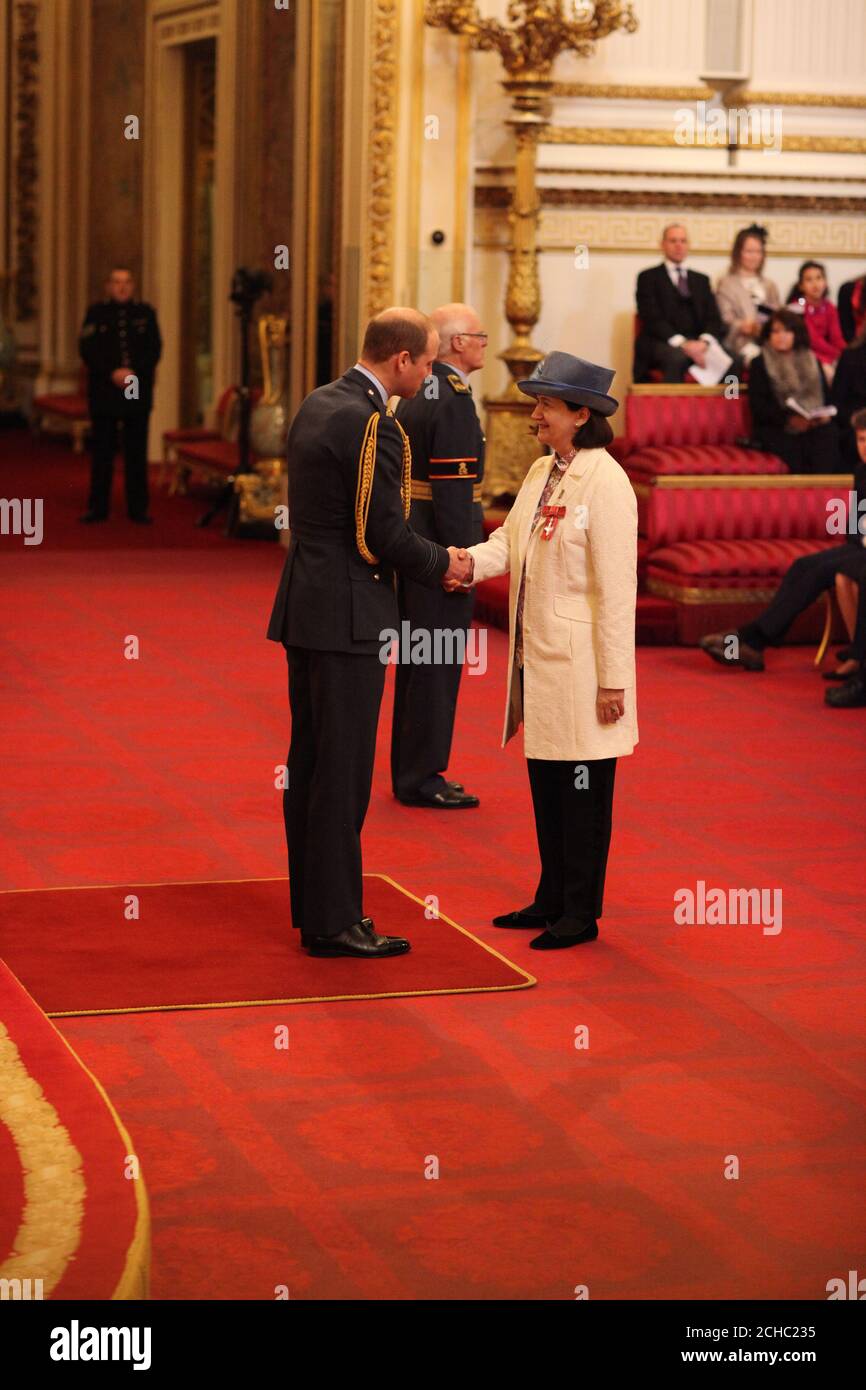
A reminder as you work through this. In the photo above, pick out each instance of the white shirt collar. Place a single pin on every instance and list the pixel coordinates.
(375, 380)
(464, 376)
(673, 269)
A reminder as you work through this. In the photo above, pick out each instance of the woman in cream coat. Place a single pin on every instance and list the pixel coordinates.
(569, 544)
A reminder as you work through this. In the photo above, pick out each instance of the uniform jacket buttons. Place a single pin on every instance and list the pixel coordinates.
(376, 575)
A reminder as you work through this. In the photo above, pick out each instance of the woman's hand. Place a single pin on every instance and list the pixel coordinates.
(797, 424)
(609, 705)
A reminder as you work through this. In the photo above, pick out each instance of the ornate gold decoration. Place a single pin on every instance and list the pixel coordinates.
(54, 1189)
(613, 230)
(493, 196)
(618, 91)
(380, 204)
(607, 135)
(366, 469)
(25, 22)
(537, 32)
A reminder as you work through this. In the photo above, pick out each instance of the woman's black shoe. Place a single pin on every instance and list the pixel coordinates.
(523, 917)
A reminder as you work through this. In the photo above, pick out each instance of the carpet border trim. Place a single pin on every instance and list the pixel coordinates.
(134, 1282)
(526, 982)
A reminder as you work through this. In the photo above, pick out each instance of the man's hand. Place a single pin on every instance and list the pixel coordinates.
(609, 705)
(119, 375)
(696, 349)
(459, 572)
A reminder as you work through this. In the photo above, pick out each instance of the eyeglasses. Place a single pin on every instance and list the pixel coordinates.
(483, 336)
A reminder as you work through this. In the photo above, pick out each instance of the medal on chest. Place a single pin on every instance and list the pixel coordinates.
(553, 515)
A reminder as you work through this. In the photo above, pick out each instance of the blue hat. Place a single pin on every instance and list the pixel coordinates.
(582, 383)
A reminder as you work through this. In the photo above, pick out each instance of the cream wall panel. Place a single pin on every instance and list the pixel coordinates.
(801, 46)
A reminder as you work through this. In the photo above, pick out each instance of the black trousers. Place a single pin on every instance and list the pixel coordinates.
(813, 451)
(425, 696)
(104, 447)
(335, 699)
(573, 826)
(805, 581)
(671, 361)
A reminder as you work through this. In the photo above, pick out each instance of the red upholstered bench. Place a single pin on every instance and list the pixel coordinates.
(719, 547)
(687, 431)
(210, 453)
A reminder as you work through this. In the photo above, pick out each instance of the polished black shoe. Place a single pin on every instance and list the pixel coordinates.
(549, 941)
(361, 939)
(717, 645)
(839, 675)
(523, 917)
(141, 520)
(90, 518)
(449, 800)
(851, 695)
(455, 786)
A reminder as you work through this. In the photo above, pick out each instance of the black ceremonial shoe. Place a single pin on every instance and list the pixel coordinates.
(548, 941)
(449, 800)
(715, 644)
(523, 917)
(851, 695)
(361, 939)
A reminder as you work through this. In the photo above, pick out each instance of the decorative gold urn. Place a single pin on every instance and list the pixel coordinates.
(259, 491)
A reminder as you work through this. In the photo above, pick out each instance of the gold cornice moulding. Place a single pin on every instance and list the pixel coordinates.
(496, 196)
(666, 139)
(614, 91)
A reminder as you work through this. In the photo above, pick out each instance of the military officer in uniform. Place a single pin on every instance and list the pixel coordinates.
(121, 345)
(349, 480)
(447, 467)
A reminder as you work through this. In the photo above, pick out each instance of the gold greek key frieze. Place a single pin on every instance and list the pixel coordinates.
(381, 140)
(610, 231)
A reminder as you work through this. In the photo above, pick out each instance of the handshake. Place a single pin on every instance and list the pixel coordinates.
(460, 571)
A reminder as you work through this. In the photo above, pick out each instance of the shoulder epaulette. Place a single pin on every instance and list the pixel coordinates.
(457, 385)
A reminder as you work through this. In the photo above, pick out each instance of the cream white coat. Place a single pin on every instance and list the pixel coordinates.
(578, 612)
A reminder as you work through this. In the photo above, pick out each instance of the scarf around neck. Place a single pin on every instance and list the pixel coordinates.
(795, 373)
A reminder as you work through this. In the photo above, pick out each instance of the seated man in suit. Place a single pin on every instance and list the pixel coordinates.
(678, 313)
(805, 581)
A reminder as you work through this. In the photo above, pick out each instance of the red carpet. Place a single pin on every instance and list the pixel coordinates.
(70, 1217)
(557, 1166)
(207, 945)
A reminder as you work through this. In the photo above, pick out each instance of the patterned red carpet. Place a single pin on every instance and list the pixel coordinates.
(312, 1166)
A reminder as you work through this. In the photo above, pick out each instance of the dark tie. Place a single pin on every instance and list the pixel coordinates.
(683, 284)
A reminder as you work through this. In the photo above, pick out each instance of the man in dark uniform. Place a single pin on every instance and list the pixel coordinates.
(349, 479)
(121, 346)
(447, 468)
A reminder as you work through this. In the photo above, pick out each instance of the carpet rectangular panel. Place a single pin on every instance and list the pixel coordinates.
(207, 945)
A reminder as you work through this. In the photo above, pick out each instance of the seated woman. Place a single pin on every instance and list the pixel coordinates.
(811, 297)
(849, 395)
(852, 308)
(787, 368)
(805, 581)
(744, 293)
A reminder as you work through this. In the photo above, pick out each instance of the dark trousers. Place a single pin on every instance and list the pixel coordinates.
(671, 361)
(573, 825)
(813, 451)
(104, 447)
(335, 699)
(805, 581)
(425, 697)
